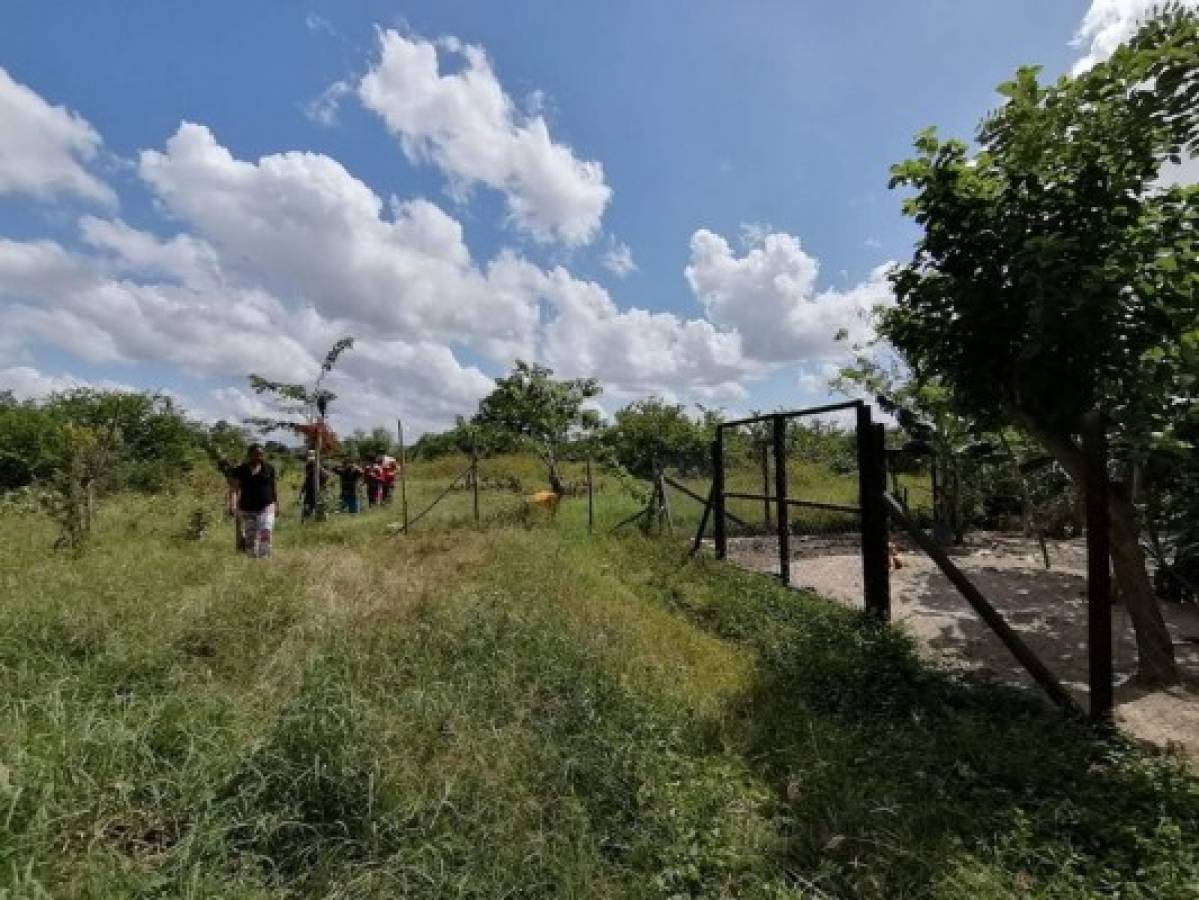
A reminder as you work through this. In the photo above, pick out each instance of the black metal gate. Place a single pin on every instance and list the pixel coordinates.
(871, 509)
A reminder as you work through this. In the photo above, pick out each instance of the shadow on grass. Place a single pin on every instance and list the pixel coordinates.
(899, 779)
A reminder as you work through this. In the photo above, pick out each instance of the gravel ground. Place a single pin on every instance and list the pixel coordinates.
(1047, 608)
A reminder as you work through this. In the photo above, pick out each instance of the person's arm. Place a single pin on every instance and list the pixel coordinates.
(274, 492)
(232, 494)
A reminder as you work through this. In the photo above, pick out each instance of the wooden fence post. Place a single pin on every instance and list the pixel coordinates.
(703, 524)
(474, 479)
(718, 534)
(665, 502)
(1099, 577)
(590, 499)
(872, 483)
(403, 475)
(1031, 662)
(780, 495)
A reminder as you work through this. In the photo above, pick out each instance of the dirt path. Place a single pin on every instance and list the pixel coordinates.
(1047, 608)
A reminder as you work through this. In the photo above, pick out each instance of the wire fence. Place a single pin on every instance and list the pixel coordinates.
(1009, 597)
(817, 471)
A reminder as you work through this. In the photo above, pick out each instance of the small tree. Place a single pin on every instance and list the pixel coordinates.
(88, 456)
(303, 409)
(543, 412)
(147, 435)
(223, 440)
(361, 445)
(31, 442)
(652, 430)
(1056, 274)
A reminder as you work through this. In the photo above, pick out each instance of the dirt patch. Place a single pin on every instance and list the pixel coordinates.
(1047, 608)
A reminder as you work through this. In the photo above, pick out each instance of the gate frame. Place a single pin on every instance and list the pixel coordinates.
(871, 509)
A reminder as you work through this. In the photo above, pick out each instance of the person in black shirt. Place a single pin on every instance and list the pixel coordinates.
(350, 475)
(254, 499)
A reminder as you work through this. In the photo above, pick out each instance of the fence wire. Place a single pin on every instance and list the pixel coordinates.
(821, 488)
(1019, 543)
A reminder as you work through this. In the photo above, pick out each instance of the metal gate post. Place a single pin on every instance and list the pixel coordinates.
(1099, 576)
(871, 485)
(780, 496)
(764, 465)
(718, 535)
(882, 605)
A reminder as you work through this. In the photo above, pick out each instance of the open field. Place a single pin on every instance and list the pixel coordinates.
(520, 712)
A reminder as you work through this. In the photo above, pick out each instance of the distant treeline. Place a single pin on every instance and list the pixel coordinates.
(654, 429)
(144, 439)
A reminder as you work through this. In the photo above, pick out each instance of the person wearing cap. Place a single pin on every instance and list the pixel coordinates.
(388, 467)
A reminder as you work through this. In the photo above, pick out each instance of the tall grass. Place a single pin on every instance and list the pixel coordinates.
(517, 711)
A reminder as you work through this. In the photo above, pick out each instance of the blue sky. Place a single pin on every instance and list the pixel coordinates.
(735, 152)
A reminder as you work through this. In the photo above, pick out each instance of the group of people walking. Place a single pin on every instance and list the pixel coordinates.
(377, 476)
(253, 496)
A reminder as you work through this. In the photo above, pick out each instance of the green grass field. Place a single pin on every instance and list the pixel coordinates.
(520, 712)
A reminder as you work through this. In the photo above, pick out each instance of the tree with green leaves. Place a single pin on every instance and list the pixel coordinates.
(1058, 273)
(653, 431)
(544, 413)
(223, 440)
(934, 429)
(149, 438)
(301, 409)
(304, 411)
(31, 442)
(362, 446)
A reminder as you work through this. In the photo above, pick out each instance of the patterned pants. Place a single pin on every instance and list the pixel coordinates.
(256, 528)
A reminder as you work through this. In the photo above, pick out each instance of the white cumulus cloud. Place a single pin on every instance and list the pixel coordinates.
(44, 148)
(302, 226)
(285, 254)
(635, 351)
(769, 296)
(466, 124)
(28, 383)
(258, 265)
(1109, 23)
(1106, 25)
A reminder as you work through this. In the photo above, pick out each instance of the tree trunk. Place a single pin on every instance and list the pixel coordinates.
(89, 497)
(1156, 665)
(551, 464)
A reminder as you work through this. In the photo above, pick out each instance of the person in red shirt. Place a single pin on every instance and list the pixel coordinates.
(374, 482)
